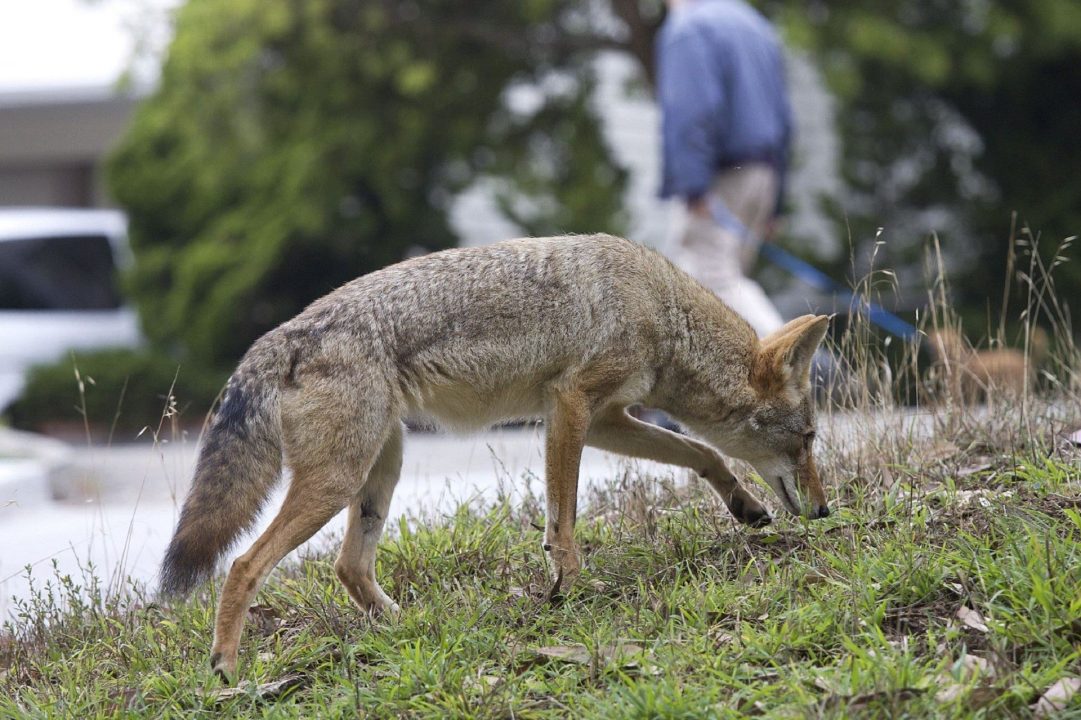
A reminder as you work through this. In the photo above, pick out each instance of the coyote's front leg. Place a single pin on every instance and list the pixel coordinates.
(618, 432)
(566, 434)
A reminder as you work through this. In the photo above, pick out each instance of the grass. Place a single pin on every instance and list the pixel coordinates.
(954, 597)
(945, 584)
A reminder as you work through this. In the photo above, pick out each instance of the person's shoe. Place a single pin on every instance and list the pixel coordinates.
(658, 418)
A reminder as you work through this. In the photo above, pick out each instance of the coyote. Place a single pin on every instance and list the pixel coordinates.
(570, 329)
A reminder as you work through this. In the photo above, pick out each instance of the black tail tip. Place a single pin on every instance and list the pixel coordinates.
(176, 585)
(182, 570)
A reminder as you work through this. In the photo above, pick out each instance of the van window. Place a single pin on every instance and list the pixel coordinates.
(58, 273)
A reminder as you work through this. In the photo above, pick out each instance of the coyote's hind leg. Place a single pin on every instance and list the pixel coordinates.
(331, 441)
(300, 517)
(367, 514)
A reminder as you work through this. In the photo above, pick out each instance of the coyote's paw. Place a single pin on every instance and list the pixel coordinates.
(375, 602)
(748, 510)
(365, 591)
(224, 665)
(565, 569)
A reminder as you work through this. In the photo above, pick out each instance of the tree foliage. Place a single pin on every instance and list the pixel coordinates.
(292, 146)
(953, 116)
(546, 172)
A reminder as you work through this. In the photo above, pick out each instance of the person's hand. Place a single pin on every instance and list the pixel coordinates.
(699, 207)
(773, 227)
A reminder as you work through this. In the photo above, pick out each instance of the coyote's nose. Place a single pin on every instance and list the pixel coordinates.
(822, 511)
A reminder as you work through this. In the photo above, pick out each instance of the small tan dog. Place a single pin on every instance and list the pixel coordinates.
(971, 375)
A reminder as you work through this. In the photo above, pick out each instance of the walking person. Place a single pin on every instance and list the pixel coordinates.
(726, 124)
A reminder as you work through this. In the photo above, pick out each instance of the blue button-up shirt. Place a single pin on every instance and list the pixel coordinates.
(721, 86)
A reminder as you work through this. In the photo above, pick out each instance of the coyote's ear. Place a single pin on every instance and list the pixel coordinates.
(803, 348)
(785, 358)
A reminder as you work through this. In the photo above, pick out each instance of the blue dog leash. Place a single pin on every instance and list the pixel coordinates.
(814, 277)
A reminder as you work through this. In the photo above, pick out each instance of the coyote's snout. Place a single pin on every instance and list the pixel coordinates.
(573, 330)
(777, 435)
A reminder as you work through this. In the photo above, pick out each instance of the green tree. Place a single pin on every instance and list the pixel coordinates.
(292, 146)
(556, 177)
(954, 115)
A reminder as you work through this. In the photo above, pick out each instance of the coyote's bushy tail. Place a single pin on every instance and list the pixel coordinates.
(238, 466)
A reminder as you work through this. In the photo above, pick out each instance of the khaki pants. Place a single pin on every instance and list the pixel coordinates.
(720, 259)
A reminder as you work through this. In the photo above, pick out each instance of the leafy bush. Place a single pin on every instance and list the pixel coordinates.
(120, 392)
(291, 147)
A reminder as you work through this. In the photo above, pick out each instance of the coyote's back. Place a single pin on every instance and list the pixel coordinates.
(469, 337)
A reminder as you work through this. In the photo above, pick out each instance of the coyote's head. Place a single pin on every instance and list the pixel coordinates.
(777, 433)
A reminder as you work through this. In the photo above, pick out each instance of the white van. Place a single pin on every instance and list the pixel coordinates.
(59, 288)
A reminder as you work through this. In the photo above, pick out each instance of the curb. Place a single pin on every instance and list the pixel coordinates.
(28, 464)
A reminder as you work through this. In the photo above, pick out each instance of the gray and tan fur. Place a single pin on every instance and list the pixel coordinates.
(572, 330)
(969, 375)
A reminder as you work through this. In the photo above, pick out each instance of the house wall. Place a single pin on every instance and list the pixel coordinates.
(52, 146)
(68, 184)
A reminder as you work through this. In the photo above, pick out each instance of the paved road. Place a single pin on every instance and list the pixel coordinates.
(115, 507)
